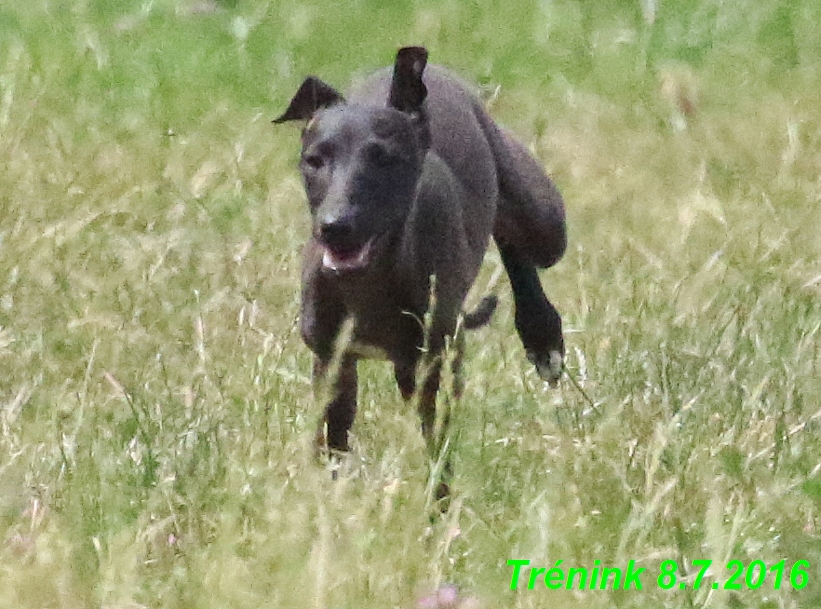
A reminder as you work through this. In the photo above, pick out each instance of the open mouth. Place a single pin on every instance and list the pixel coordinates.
(347, 259)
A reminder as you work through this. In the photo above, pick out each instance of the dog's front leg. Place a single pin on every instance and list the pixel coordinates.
(341, 409)
(426, 404)
(405, 374)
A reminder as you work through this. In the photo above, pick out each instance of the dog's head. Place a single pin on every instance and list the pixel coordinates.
(360, 164)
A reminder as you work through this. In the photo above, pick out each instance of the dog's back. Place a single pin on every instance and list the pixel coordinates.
(503, 181)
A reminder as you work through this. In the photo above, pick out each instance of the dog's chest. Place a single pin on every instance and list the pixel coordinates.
(385, 326)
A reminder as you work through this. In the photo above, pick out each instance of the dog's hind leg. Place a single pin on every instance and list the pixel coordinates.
(341, 410)
(538, 323)
(530, 232)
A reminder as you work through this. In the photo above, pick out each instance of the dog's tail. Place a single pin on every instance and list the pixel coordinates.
(481, 314)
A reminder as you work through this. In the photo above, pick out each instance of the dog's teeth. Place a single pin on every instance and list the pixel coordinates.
(346, 262)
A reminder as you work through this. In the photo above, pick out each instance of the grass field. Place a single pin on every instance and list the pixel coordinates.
(155, 402)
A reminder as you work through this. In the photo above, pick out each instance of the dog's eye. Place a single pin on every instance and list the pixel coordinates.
(380, 156)
(314, 161)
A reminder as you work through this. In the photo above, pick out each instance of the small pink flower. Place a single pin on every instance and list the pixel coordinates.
(446, 597)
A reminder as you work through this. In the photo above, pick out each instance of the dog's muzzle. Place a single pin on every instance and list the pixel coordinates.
(348, 259)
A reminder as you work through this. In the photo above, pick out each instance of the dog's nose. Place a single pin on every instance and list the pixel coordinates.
(335, 230)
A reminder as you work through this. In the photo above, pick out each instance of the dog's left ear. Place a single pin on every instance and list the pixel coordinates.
(312, 95)
(408, 92)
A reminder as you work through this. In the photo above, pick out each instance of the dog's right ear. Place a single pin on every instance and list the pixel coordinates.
(312, 95)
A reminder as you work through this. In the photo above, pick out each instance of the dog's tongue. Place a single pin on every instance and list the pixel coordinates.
(346, 260)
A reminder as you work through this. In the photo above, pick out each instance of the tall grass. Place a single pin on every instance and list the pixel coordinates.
(155, 400)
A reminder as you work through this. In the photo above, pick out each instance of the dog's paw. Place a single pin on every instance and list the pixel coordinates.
(442, 497)
(549, 366)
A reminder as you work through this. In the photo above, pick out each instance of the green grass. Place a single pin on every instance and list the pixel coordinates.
(155, 402)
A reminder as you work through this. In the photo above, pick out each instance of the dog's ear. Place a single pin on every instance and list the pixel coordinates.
(408, 92)
(312, 95)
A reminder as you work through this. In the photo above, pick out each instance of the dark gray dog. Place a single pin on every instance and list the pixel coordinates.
(406, 181)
